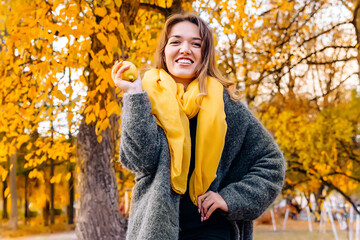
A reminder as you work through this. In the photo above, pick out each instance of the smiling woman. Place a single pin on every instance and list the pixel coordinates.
(205, 167)
(183, 52)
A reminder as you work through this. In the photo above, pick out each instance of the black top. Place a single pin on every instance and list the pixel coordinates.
(191, 227)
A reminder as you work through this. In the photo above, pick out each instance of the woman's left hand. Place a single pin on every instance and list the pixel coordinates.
(209, 202)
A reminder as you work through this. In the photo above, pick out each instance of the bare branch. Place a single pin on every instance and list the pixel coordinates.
(331, 62)
(330, 185)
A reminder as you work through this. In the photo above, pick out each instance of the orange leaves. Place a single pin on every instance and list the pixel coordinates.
(37, 174)
(102, 114)
(103, 39)
(316, 142)
(7, 192)
(59, 95)
(3, 173)
(21, 139)
(101, 12)
(68, 176)
(113, 107)
(56, 179)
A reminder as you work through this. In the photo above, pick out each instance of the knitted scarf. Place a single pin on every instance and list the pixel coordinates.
(172, 108)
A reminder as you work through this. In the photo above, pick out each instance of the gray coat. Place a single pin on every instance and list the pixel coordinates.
(249, 177)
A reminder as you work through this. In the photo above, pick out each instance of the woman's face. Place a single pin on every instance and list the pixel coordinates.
(183, 52)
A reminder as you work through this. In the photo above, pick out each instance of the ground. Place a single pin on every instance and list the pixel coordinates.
(295, 230)
(298, 230)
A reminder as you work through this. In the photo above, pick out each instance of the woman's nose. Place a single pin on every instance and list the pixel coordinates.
(185, 48)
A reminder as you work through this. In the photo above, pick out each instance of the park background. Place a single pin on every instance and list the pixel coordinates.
(295, 65)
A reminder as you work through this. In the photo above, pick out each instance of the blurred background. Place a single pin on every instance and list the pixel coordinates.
(295, 65)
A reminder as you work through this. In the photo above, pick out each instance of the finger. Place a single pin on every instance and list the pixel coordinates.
(211, 210)
(115, 68)
(119, 72)
(208, 202)
(201, 199)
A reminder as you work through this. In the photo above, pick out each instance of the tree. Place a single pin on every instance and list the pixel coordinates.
(77, 41)
(294, 63)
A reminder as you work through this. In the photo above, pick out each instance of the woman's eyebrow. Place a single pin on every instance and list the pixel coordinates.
(178, 36)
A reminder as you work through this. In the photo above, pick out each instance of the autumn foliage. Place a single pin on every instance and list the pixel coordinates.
(295, 64)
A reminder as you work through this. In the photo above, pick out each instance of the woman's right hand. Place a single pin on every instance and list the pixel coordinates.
(126, 86)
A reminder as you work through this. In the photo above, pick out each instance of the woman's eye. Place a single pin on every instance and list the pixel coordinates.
(197, 44)
(174, 42)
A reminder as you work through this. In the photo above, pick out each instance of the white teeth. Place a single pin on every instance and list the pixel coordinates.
(186, 61)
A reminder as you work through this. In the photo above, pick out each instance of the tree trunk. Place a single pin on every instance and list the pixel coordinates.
(26, 206)
(356, 23)
(52, 172)
(70, 208)
(98, 211)
(5, 212)
(46, 213)
(52, 193)
(13, 222)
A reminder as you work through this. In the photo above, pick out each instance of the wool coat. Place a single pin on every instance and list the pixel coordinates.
(249, 177)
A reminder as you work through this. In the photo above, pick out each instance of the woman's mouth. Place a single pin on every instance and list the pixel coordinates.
(184, 61)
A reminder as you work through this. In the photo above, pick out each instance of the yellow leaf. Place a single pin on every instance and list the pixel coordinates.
(102, 114)
(103, 39)
(28, 147)
(58, 178)
(4, 175)
(99, 139)
(21, 139)
(118, 3)
(6, 193)
(88, 109)
(100, 11)
(110, 108)
(112, 25)
(52, 180)
(97, 109)
(88, 119)
(68, 176)
(70, 116)
(103, 86)
(113, 41)
(104, 124)
(58, 94)
(32, 92)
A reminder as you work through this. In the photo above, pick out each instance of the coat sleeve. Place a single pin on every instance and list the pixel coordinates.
(249, 195)
(140, 144)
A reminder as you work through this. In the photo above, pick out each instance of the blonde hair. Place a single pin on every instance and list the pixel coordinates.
(207, 66)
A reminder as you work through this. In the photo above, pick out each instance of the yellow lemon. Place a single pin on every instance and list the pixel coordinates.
(130, 74)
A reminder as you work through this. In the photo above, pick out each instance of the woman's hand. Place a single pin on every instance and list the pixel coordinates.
(126, 86)
(209, 202)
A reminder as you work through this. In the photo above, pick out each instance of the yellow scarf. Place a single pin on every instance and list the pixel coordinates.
(172, 108)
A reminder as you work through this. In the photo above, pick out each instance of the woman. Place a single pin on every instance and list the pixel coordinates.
(205, 167)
